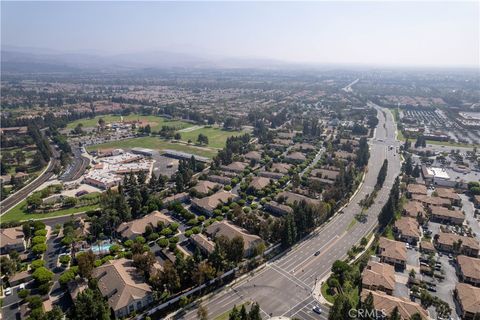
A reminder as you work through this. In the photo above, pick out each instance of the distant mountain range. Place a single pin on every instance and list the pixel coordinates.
(33, 60)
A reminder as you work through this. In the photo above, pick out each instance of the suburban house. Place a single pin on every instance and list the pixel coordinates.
(418, 189)
(392, 252)
(449, 194)
(259, 183)
(386, 303)
(204, 187)
(428, 201)
(468, 298)
(271, 175)
(280, 167)
(427, 247)
(295, 157)
(253, 155)
(291, 198)
(277, 208)
(178, 197)
(414, 209)
(125, 290)
(205, 245)
(325, 174)
(220, 179)
(379, 276)
(236, 167)
(449, 241)
(208, 204)
(135, 228)
(344, 155)
(12, 239)
(304, 147)
(406, 229)
(444, 215)
(230, 231)
(468, 270)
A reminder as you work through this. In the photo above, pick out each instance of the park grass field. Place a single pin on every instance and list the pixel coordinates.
(156, 143)
(19, 213)
(155, 122)
(216, 136)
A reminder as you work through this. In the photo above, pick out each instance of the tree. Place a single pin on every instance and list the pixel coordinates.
(254, 313)
(202, 139)
(395, 315)
(39, 248)
(70, 202)
(101, 123)
(90, 305)
(42, 275)
(368, 306)
(86, 263)
(382, 174)
(19, 157)
(235, 252)
(202, 313)
(178, 136)
(203, 272)
(144, 262)
(408, 166)
(340, 309)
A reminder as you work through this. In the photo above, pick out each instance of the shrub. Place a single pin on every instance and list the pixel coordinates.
(38, 240)
(140, 240)
(37, 264)
(196, 230)
(192, 222)
(65, 259)
(42, 275)
(166, 232)
(241, 202)
(254, 206)
(246, 209)
(228, 188)
(42, 233)
(66, 277)
(44, 288)
(217, 212)
(39, 248)
(114, 249)
(163, 242)
(173, 239)
(250, 198)
(174, 226)
(153, 236)
(201, 218)
(67, 240)
(172, 246)
(188, 233)
(128, 243)
(22, 294)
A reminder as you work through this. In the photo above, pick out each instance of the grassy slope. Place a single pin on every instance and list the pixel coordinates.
(156, 144)
(216, 137)
(155, 122)
(18, 213)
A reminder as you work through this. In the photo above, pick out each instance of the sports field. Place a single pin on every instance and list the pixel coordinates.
(155, 122)
(156, 143)
(216, 136)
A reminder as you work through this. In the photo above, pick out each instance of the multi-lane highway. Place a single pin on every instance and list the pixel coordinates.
(285, 286)
(15, 198)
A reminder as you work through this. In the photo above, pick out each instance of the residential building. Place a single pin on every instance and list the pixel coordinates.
(135, 228)
(468, 270)
(444, 215)
(208, 204)
(280, 167)
(204, 187)
(253, 155)
(259, 183)
(449, 194)
(295, 157)
(468, 298)
(230, 231)
(428, 201)
(124, 288)
(178, 197)
(236, 167)
(220, 179)
(414, 188)
(277, 208)
(392, 252)
(291, 198)
(205, 245)
(379, 276)
(386, 303)
(12, 239)
(414, 209)
(451, 242)
(407, 229)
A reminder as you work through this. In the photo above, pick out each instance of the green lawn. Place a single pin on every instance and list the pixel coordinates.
(155, 122)
(18, 213)
(157, 144)
(325, 293)
(226, 314)
(216, 136)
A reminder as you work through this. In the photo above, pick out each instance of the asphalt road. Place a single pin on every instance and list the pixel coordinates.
(285, 285)
(14, 199)
(78, 166)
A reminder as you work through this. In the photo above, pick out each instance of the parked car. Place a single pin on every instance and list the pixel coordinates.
(8, 291)
(317, 310)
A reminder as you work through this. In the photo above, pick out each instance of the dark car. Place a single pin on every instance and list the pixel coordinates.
(316, 253)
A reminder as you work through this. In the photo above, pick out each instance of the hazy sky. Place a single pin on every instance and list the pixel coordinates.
(392, 33)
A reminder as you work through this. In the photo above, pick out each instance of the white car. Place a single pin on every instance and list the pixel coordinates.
(8, 291)
(317, 309)
(21, 286)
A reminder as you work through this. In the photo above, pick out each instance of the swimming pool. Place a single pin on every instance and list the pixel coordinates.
(102, 247)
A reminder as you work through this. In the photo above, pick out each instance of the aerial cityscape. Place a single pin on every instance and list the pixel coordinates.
(235, 161)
